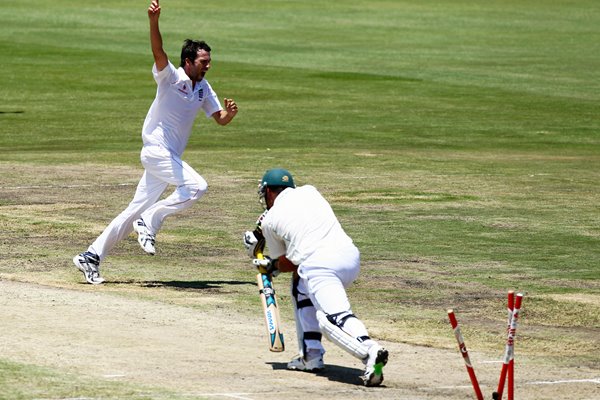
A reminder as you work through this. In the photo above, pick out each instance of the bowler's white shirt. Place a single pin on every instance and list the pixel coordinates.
(302, 225)
(171, 116)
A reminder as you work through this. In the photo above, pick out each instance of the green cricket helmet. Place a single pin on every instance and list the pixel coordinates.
(276, 177)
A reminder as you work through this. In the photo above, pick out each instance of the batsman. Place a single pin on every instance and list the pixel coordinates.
(304, 237)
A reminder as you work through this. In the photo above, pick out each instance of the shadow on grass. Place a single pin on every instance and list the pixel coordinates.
(183, 285)
(335, 373)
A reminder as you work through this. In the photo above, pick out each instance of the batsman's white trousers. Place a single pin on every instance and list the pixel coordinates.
(326, 285)
(162, 168)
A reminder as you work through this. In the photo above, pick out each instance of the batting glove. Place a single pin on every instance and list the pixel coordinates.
(254, 242)
(266, 265)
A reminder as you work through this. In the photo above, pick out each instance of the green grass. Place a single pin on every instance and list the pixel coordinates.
(458, 141)
(21, 381)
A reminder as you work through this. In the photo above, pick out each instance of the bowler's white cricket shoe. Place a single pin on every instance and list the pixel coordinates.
(89, 264)
(146, 239)
(378, 357)
(314, 364)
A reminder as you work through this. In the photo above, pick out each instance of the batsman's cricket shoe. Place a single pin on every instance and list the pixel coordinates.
(146, 239)
(89, 264)
(378, 357)
(314, 364)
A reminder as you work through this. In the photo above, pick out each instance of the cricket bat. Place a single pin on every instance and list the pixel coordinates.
(271, 309)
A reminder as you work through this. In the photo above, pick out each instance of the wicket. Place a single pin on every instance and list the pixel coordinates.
(509, 350)
(465, 354)
(513, 310)
(511, 366)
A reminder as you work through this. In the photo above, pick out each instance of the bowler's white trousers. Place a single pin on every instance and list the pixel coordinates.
(162, 168)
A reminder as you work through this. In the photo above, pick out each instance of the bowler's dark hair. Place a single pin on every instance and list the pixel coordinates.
(190, 50)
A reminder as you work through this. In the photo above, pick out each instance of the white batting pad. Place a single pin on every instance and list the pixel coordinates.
(341, 338)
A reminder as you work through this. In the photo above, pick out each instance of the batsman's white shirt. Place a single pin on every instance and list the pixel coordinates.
(171, 116)
(302, 225)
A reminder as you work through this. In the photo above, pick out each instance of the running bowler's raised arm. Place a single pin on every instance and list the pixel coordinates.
(160, 57)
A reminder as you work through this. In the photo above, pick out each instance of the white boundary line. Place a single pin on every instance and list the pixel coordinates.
(557, 382)
(459, 387)
(238, 396)
(70, 398)
(64, 186)
(114, 376)
(592, 380)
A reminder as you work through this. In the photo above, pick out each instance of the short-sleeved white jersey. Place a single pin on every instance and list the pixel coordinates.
(171, 116)
(302, 225)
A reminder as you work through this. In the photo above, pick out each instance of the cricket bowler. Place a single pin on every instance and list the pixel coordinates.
(181, 94)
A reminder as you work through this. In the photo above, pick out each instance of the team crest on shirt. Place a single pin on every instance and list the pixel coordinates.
(183, 89)
(200, 94)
